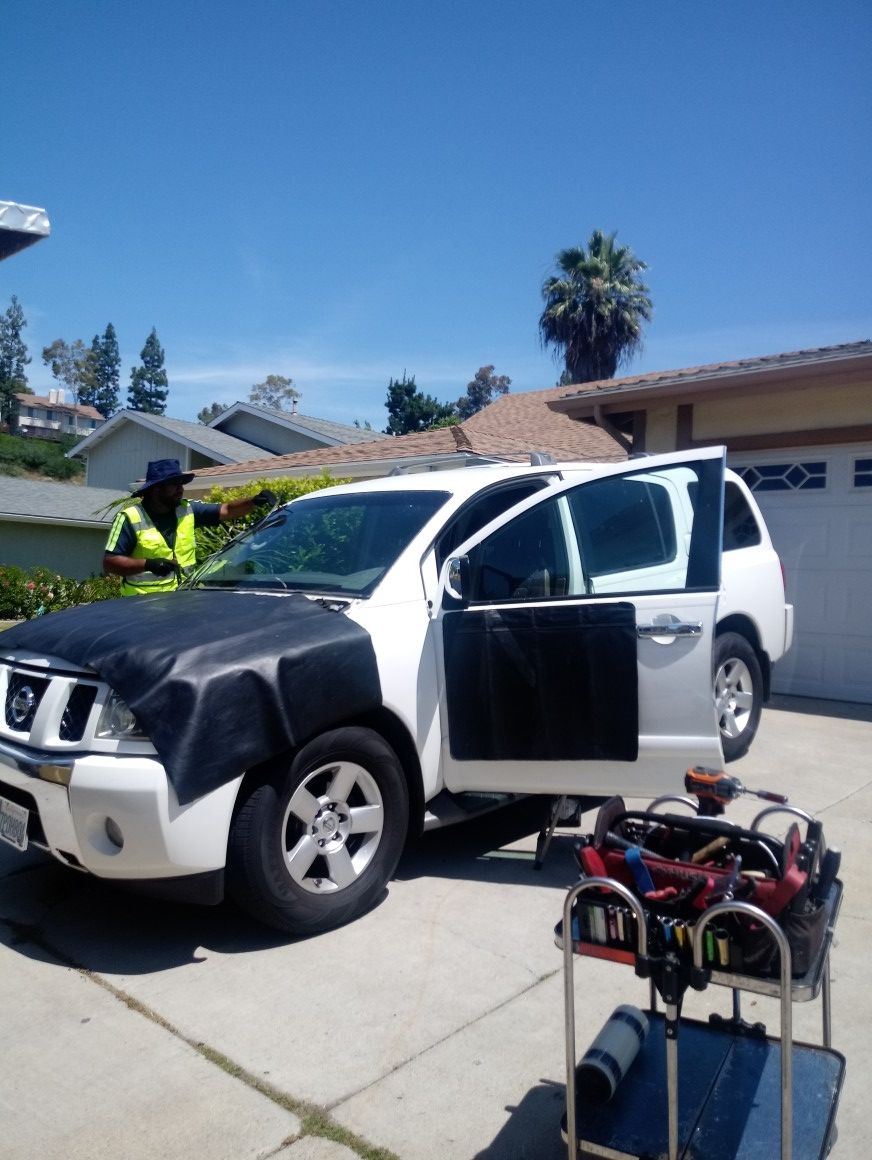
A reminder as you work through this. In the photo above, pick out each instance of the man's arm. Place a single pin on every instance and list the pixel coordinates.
(115, 565)
(234, 509)
(117, 561)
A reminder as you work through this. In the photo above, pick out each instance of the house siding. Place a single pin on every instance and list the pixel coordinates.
(117, 463)
(270, 436)
(75, 552)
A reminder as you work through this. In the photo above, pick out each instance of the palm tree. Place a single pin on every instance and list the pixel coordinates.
(594, 310)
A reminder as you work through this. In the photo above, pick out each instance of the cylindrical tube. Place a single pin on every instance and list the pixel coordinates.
(607, 1060)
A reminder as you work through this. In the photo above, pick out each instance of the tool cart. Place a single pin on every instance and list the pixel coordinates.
(693, 902)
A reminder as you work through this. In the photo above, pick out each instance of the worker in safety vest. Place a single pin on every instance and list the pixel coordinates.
(151, 542)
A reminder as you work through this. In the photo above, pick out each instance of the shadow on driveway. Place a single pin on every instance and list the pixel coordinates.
(818, 707)
(54, 914)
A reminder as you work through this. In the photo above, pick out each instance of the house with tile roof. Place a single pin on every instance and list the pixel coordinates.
(512, 428)
(51, 417)
(798, 427)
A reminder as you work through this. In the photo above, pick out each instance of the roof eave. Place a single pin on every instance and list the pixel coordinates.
(776, 377)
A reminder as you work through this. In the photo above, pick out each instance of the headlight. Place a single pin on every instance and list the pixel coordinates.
(117, 721)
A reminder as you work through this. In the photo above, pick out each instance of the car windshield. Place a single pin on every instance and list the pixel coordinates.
(339, 544)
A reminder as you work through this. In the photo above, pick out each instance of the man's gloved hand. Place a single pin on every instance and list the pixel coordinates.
(265, 498)
(159, 567)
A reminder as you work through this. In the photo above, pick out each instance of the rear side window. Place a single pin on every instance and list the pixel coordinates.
(740, 526)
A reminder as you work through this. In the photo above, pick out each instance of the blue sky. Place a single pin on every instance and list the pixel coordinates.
(341, 191)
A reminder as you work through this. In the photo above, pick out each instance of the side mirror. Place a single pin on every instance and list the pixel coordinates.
(457, 579)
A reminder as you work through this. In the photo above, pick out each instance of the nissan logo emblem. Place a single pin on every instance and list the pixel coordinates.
(22, 704)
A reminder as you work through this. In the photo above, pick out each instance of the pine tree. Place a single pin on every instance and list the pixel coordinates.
(102, 374)
(13, 359)
(411, 410)
(148, 383)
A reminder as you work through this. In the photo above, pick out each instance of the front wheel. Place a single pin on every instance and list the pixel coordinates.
(315, 848)
(738, 685)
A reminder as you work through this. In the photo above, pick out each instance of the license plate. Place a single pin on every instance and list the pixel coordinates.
(13, 824)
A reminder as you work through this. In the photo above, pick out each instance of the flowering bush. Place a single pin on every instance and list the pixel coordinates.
(25, 594)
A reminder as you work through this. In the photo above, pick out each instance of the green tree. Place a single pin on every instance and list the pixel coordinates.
(70, 365)
(148, 382)
(275, 392)
(207, 414)
(594, 309)
(13, 359)
(410, 410)
(482, 390)
(102, 376)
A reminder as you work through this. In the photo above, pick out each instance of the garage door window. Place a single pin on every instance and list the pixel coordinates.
(786, 476)
(863, 473)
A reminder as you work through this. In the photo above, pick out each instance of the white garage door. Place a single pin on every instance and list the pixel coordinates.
(817, 502)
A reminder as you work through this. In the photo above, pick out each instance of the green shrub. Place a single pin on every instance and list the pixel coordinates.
(25, 594)
(40, 456)
(211, 540)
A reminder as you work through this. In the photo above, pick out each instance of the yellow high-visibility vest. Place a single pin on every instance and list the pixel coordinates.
(151, 545)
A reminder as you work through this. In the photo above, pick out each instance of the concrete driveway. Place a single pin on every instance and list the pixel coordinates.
(432, 1027)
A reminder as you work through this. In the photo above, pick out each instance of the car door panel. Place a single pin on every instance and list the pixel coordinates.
(550, 685)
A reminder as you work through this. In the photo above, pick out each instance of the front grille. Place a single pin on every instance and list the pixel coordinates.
(75, 716)
(23, 695)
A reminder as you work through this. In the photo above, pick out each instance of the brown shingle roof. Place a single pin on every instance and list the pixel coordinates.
(510, 428)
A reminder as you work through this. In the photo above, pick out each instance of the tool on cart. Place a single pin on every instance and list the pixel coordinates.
(715, 789)
(689, 901)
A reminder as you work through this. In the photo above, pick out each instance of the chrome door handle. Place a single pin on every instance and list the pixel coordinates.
(673, 628)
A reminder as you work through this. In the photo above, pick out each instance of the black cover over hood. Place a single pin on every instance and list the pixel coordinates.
(218, 680)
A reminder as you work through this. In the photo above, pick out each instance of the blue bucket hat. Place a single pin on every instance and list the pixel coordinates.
(163, 471)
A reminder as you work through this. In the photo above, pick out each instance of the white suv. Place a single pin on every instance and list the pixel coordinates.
(384, 656)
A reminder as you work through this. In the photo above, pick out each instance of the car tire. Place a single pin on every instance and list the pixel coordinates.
(314, 848)
(738, 689)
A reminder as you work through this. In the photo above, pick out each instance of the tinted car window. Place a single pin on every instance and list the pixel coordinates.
(524, 560)
(623, 524)
(740, 526)
(480, 510)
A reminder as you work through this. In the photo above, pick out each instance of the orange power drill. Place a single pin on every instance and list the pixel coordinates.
(714, 788)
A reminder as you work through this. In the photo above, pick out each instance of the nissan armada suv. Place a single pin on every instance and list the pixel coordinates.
(373, 658)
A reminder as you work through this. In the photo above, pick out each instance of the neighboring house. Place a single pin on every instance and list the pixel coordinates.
(512, 428)
(284, 432)
(50, 417)
(798, 427)
(118, 451)
(54, 525)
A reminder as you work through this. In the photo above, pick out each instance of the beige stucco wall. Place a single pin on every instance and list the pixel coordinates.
(661, 429)
(800, 409)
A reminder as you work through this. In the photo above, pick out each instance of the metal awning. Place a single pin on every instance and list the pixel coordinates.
(20, 226)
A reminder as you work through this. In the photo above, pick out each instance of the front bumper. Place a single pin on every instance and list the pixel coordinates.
(115, 816)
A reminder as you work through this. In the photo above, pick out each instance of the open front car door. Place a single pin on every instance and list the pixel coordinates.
(576, 634)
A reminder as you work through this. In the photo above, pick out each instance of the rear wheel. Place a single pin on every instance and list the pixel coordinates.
(738, 686)
(315, 848)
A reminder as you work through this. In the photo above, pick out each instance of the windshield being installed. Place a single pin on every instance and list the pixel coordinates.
(331, 543)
